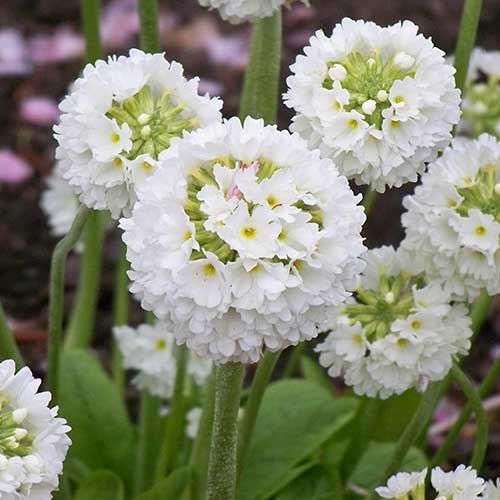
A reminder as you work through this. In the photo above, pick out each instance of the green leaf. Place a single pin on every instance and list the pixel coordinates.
(295, 419)
(312, 371)
(376, 459)
(100, 485)
(172, 487)
(261, 86)
(314, 484)
(103, 437)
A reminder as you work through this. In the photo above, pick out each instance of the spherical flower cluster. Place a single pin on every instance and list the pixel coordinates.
(453, 219)
(381, 101)
(397, 332)
(460, 484)
(239, 11)
(245, 238)
(33, 440)
(481, 104)
(117, 119)
(149, 349)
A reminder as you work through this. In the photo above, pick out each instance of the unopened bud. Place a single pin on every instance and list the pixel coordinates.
(497, 188)
(337, 72)
(382, 95)
(144, 118)
(20, 433)
(389, 297)
(19, 415)
(404, 61)
(369, 106)
(146, 131)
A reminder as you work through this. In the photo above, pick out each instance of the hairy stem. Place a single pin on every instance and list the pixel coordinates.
(8, 346)
(148, 16)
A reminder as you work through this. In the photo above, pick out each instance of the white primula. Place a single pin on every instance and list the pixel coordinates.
(481, 104)
(119, 116)
(492, 490)
(460, 484)
(193, 418)
(33, 439)
(453, 219)
(149, 350)
(239, 11)
(245, 238)
(381, 101)
(398, 331)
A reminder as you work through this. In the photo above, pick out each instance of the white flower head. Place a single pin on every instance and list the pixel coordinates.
(239, 11)
(460, 484)
(398, 331)
(453, 219)
(404, 484)
(34, 441)
(492, 490)
(399, 101)
(272, 239)
(149, 350)
(119, 116)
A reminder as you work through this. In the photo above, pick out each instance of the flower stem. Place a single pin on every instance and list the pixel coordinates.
(484, 389)
(201, 448)
(8, 346)
(147, 448)
(480, 311)
(292, 364)
(90, 17)
(369, 200)
(481, 441)
(417, 424)
(261, 86)
(148, 16)
(81, 327)
(466, 38)
(57, 296)
(260, 381)
(175, 420)
(222, 464)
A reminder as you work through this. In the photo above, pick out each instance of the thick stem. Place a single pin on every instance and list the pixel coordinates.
(175, 420)
(57, 297)
(201, 447)
(261, 380)
(8, 346)
(293, 362)
(417, 424)
(148, 16)
(466, 39)
(222, 464)
(261, 86)
(484, 389)
(479, 311)
(369, 200)
(90, 21)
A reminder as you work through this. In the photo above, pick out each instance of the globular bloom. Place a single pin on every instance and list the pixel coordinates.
(460, 484)
(33, 440)
(239, 11)
(453, 219)
(381, 101)
(245, 238)
(481, 104)
(149, 350)
(120, 115)
(398, 330)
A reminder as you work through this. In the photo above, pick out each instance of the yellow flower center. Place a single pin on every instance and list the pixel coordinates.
(480, 230)
(115, 137)
(209, 270)
(161, 344)
(248, 232)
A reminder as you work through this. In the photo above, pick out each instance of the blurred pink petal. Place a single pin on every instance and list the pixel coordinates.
(119, 23)
(211, 87)
(229, 50)
(62, 45)
(13, 53)
(300, 13)
(39, 110)
(13, 169)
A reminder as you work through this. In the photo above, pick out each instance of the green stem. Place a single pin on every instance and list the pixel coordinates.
(484, 389)
(260, 381)
(148, 16)
(261, 86)
(466, 38)
(222, 464)
(175, 422)
(147, 448)
(479, 311)
(201, 447)
(81, 327)
(417, 424)
(369, 200)
(293, 362)
(57, 297)
(90, 21)
(8, 346)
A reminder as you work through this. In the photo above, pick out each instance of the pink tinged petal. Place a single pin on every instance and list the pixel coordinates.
(13, 169)
(39, 110)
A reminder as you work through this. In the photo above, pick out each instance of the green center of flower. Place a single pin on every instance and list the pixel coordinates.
(482, 108)
(153, 120)
(482, 193)
(15, 440)
(368, 78)
(376, 310)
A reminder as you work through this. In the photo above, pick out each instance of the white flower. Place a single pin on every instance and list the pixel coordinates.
(274, 240)
(193, 418)
(492, 490)
(397, 332)
(149, 350)
(460, 484)
(119, 116)
(381, 101)
(453, 219)
(34, 441)
(238, 11)
(401, 485)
